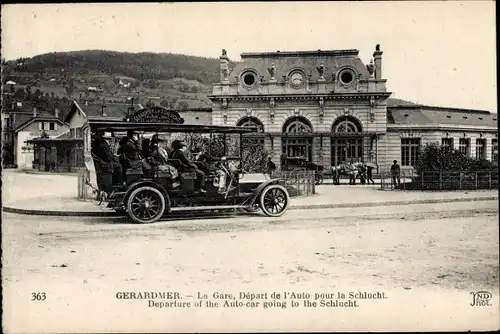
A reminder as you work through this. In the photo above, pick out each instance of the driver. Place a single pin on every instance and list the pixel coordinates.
(178, 149)
(202, 160)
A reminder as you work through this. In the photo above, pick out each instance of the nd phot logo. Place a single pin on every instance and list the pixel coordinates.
(481, 298)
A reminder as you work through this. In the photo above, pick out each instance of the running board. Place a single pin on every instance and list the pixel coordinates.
(201, 208)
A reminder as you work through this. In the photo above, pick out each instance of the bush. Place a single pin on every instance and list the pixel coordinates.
(434, 157)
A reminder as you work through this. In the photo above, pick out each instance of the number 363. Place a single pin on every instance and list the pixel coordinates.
(38, 296)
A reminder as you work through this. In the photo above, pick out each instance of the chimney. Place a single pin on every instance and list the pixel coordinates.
(377, 56)
(56, 112)
(224, 66)
(34, 112)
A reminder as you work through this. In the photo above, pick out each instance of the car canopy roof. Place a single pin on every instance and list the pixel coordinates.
(120, 126)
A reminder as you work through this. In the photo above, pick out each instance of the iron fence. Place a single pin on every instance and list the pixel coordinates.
(441, 180)
(297, 182)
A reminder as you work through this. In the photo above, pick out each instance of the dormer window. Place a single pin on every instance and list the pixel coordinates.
(465, 117)
(346, 77)
(481, 118)
(449, 116)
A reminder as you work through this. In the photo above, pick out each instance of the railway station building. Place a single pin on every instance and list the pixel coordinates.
(330, 107)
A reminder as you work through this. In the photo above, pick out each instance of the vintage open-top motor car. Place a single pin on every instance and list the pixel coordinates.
(147, 196)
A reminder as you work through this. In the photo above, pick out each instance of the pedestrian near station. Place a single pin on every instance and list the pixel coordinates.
(395, 174)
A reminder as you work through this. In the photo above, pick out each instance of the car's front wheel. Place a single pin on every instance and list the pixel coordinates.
(274, 200)
(146, 205)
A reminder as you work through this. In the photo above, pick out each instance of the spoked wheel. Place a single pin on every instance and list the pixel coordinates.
(274, 200)
(146, 205)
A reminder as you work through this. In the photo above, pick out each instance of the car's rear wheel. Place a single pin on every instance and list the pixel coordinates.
(274, 200)
(146, 205)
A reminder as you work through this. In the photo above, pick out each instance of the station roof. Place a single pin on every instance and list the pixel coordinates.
(428, 115)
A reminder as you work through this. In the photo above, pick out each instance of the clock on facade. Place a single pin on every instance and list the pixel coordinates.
(297, 79)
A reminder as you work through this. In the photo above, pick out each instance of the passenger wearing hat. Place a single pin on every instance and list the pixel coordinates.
(107, 164)
(129, 146)
(178, 149)
(156, 152)
(130, 149)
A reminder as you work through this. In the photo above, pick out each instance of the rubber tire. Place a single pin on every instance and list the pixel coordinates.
(265, 191)
(155, 218)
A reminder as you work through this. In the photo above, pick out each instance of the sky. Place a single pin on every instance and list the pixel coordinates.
(435, 53)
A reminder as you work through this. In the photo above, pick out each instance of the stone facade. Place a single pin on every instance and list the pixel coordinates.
(329, 107)
(326, 106)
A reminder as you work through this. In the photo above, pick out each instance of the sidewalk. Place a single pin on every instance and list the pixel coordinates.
(51, 194)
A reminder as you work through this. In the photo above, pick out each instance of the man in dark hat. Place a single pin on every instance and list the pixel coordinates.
(107, 164)
(178, 149)
(271, 167)
(129, 146)
(395, 174)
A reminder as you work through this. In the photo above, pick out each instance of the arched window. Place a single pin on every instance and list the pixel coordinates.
(297, 125)
(251, 122)
(252, 138)
(346, 124)
(298, 143)
(346, 141)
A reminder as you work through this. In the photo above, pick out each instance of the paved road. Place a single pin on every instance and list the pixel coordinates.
(425, 258)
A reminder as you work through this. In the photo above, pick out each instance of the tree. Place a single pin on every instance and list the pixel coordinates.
(20, 94)
(70, 88)
(254, 157)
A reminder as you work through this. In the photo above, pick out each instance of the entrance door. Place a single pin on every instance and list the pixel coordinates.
(345, 149)
(298, 148)
(301, 143)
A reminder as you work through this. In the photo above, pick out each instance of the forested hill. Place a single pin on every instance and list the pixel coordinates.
(170, 80)
(141, 66)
